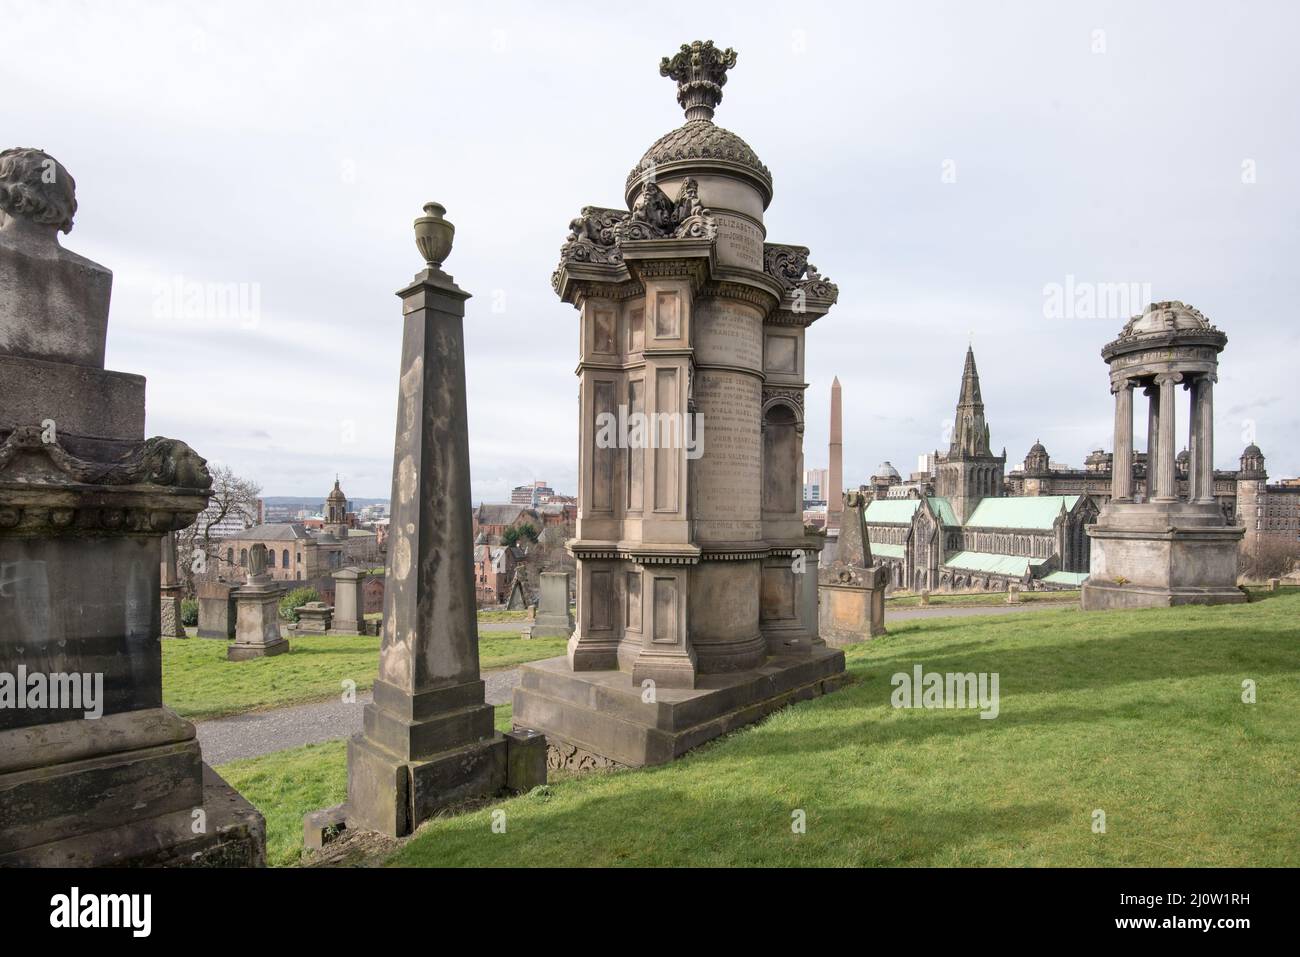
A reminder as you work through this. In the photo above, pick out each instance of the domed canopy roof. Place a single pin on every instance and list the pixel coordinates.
(700, 140)
(886, 470)
(1172, 316)
(1251, 449)
(336, 493)
(1038, 448)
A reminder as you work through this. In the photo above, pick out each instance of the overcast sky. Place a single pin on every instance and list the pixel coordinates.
(945, 162)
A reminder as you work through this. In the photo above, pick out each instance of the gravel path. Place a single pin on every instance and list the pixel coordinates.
(261, 732)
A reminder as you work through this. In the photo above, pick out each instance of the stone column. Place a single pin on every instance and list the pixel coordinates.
(349, 601)
(429, 739)
(1152, 393)
(1203, 462)
(1121, 488)
(835, 477)
(1168, 489)
(170, 591)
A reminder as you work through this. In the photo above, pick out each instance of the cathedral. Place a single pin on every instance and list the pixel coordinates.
(959, 529)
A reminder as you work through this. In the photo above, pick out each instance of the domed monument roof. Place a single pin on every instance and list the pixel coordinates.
(336, 493)
(886, 470)
(1162, 317)
(700, 70)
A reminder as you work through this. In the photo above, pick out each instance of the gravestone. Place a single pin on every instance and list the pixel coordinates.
(429, 738)
(85, 502)
(696, 576)
(553, 619)
(852, 588)
(257, 613)
(169, 589)
(216, 609)
(314, 618)
(1013, 594)
(350, 601)
(517, 601)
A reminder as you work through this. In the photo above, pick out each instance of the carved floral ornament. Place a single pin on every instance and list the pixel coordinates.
(789, 266)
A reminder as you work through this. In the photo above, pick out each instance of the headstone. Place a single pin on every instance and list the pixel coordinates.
(1171, 549)
(350, 601)
(692, 559)
(517, 601)
(169, 589)
(429, 738)
(115, 778)
(1013, 594)
(852, 589)
(216, 609)
(257, 610)
(1273, 584)
(553, 617)
(314, 618)
(925, 596)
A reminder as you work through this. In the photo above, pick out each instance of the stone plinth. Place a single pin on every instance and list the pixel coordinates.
(170, 624)
(600, 719)
(314, 618)
(85, 503)
(257, 624)
(553, 618)
(217, 614)
(1013, 594)
(350, 601)
(853, 609)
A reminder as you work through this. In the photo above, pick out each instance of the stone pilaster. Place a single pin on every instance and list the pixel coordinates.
(1167, 445)
(1203, 461)
(1122, 474)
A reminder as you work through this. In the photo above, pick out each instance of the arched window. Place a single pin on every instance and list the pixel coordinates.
(230, 556)
(243, 557)
(270, 558)
(284, 558)
(781, 448)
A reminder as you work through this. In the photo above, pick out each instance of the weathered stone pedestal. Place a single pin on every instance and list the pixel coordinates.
(1167, 550)
(169, 602)
(429, 740)
(349, 601)
(85, 502)
(553, 618)
(257, 604)
(217, 613)
(696, 578)
(851, 590)
(314, 618)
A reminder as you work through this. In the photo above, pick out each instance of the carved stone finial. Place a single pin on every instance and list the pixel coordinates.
(700, 70)
(35, 188)
(434, 235)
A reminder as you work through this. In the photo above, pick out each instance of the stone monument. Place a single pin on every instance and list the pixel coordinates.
(852, 588)
(314, 618)
(99, 773)
(257, 611)
(691, 617)
(170, 591)
(1166, 550)
(350, 601)
(517, 601)
(217, 614)
(553, 619)
(429, 739)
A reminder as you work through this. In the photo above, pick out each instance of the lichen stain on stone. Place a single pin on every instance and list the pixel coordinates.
(407, 480)
(402, 558)
(411, 380)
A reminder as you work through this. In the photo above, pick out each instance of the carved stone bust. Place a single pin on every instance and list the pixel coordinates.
(53, 302)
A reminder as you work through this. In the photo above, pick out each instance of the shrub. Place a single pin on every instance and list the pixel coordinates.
(291, 602)
(189, 612)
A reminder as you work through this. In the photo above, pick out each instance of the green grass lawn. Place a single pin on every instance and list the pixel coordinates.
(502, 616)
(1137, 714)
(198, 681)
(908, 600)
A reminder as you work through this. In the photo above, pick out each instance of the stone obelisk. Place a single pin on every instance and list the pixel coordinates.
(429, 739)
(835, 494)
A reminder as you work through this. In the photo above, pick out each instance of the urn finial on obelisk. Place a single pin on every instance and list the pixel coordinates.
(434, 235)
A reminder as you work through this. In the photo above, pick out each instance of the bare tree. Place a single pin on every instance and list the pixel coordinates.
(232, 497)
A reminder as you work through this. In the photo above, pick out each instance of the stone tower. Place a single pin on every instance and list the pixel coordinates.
(1168, 550)
(692, 556)
(336, 511)
(970, 471)
(835, 495)
(1252, 484)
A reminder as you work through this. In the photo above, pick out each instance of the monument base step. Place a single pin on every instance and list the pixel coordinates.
(601, 719)
(238, 652)
(1102, 596)
(228, 833)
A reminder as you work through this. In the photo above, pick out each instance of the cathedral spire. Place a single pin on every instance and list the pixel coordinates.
(970, 434)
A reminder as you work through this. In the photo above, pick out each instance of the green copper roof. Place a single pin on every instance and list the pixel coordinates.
(891, 511)
(1026, 511)
(1066, 578)
(1016, 565)
(886, 551)
(944, 509)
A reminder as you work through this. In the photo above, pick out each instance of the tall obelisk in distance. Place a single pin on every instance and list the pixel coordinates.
(835, 492)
